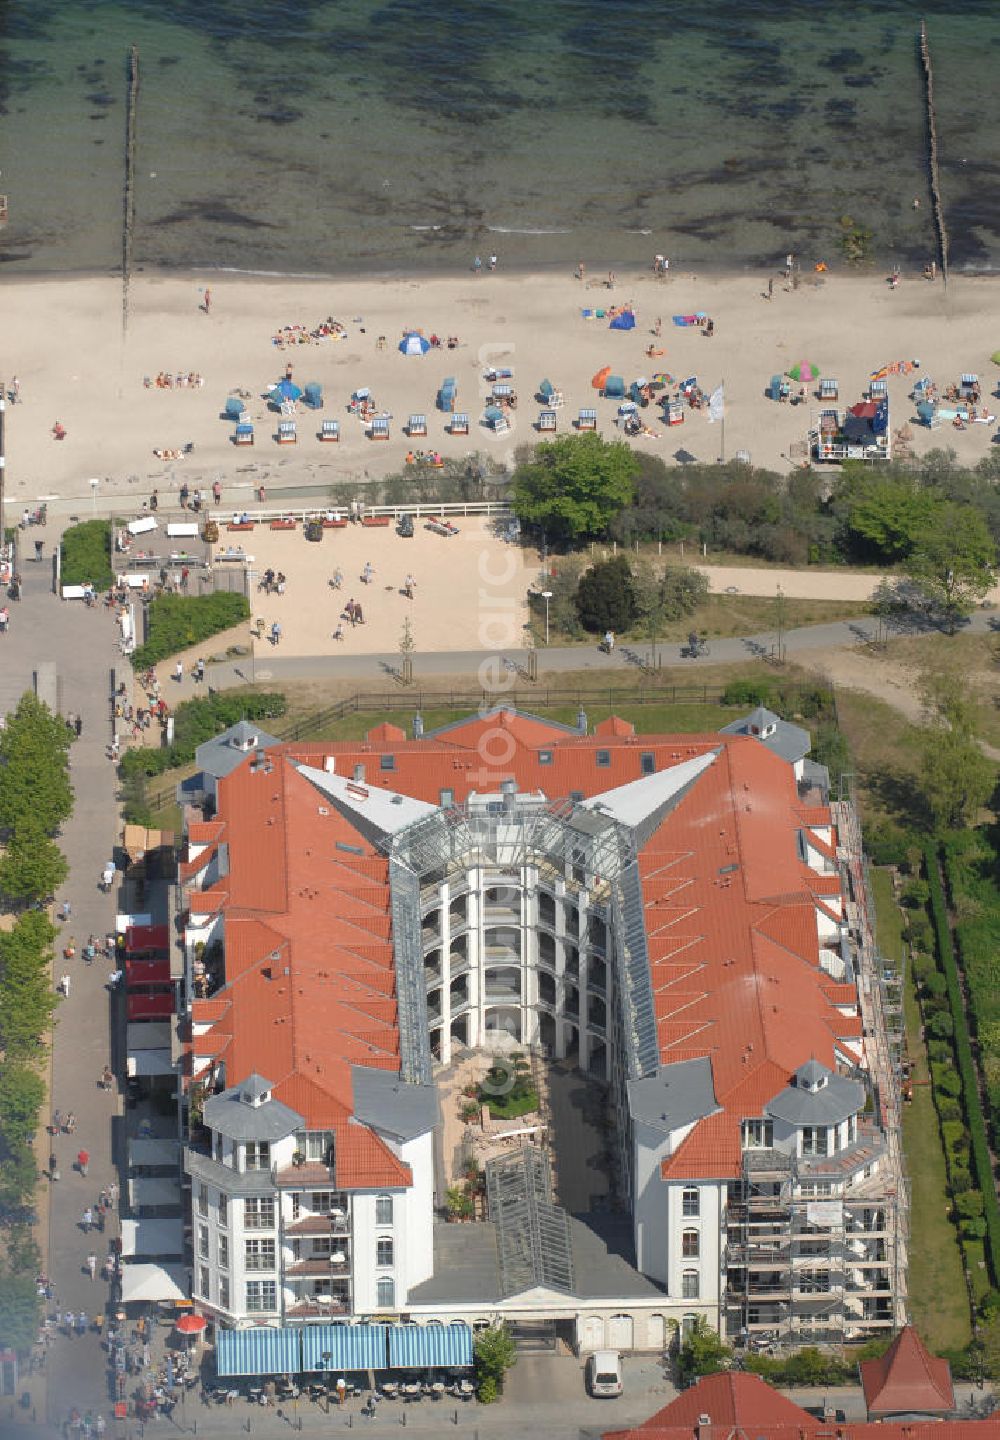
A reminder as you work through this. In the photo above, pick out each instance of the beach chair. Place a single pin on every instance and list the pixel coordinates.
(234, 408)
(313, 396)
(416, 426)
(829, 389)
(496, 420)
(547, 421)
(968, 387)
(878, 390)
(329, 430)
(286, 432)
(379, 428)
(502, 392)
(243, 435)
(673, 412)
(459, 425)
(587, 420)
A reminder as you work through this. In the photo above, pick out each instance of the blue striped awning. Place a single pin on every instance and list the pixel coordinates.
(429, 1346)
(261, 1351)
(346, 1347)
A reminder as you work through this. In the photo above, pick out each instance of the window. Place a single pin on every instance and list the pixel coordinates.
(691, 1203)
(322, 1202)
(603, 759)
(218, 1147)
(383, 1210)
(262, 1295)
(224, 1292)
(296, 1206)
(223, 1208)
(257, 1155)
(387, 762)
(758, 1134)
(690, 1285)
(385, 1293)
(319, 1144)
(814, 1140)
(814, 1282)
(383, 1250)
(258, 1214)
(224, 1252)
(259, 1255)
(545, 757)
(647, 762)
(202, 1199)
(690, 1244)
(689, 1323)
(206, 1282)
(203, 1241)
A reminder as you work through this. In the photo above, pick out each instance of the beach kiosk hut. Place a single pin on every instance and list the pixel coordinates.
(459, 424)
(379, 428)
(447, 394)
(547, 421)
(244, 434)
(416, 426)
(587, 420)
(286, 432)
(329, 430)
(496, 420)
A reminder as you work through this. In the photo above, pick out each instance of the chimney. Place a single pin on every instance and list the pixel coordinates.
(418, 726)
(359, 774)
(508, 789)
(330, 764)
(703, 1429)
(581, 720)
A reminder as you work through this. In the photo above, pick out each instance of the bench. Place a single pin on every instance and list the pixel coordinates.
(334, 524)
(240, 525)
(373, 520)
(182, 528)
(283, 524)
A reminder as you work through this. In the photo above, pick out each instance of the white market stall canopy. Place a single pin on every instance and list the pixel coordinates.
(160, 1239)
(152, 1283)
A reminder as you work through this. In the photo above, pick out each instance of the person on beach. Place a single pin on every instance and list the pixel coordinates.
(206, 304)
(216, 491)
(276, 633)
(477, 265)
(581, 271)
(493, 262)
(179, 671)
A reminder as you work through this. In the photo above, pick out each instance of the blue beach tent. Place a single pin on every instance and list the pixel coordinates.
(414, 344)
(625, 320)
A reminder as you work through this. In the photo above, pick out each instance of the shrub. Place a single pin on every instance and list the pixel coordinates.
(605, 596)
(196, 721)
(940, 1050)
(915, 893)
(176, 622)
(941, 1026)
(936, 985)
(946, 1081)
(489, 1392)
(948, 1109)
(86, 555)
(748, 692)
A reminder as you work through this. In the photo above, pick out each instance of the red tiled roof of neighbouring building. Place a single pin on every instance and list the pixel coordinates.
(907, 1379)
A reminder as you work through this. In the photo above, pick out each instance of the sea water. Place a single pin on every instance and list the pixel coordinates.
(327, 136)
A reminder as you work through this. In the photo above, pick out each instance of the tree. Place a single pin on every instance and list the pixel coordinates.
(32, 866)
(34, 770)
(702, 1352)
(956, 777)
(883, 514)
(496, 1353)
(26, 998)
(21, 1096)
(20, 1310)
(575, 485)
(18, 1178)
(953, 560)
(605, 596)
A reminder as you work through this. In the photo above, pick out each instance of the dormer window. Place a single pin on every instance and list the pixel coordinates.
(815, 1140)
(758, 1134)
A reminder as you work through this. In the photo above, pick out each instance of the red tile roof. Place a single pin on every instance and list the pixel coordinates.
(740, 1406)
(730, 910)
(906, 1379)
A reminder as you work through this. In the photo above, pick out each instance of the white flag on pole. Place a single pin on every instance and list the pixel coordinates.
(717, 404)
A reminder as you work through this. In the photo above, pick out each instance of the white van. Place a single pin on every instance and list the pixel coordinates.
(604, 1374)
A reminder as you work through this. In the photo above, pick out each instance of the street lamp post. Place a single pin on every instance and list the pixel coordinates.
(93, 492)
(546, 596)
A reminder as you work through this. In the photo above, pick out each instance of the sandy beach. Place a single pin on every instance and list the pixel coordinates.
(63, 339)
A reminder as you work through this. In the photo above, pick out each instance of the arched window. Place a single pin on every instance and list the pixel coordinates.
(383, 1210)
(690, 1285)
(383, 1250)
(691, 1202)
(688, 1325)
(690, 1244)
(385, 1293)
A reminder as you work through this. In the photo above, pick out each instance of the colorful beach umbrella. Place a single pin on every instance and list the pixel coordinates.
(414, 344)
(191, 1324)
(804, 371)
(287, 390)
(598, 380)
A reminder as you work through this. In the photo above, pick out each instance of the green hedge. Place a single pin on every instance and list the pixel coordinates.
(176, 622)
(983, 1169)
(86, 555)
(196, 721)
(971, 866)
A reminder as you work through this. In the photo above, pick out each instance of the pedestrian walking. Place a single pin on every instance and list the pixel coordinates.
(69, 1124)
(206, 303)
(92, 1266)
(39, 547)
(179, 671)
(81, 1323)
(581, 271)
(15, 390)
(87, 1218)
(408, 585)
(64, 984)
(217, 492)
(53, 1167)
(183, 494)
(493, 262)
(113, 1193)
(83, 1161)
(275, 633)
(657, 328)
(66, 909)
(199, 671)
(154, 501)
(107, 1078)
(477, 265)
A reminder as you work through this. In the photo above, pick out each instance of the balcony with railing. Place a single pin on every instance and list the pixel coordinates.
(309, 1174)
(318, 1264)
(320, 1304)
(318, 1224)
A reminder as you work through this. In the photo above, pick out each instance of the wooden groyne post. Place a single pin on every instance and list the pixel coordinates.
(932, 151)
(128, 192)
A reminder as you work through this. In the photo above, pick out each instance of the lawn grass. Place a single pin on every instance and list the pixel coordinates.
(971, 661)
(938, 1297)
(886, 749)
